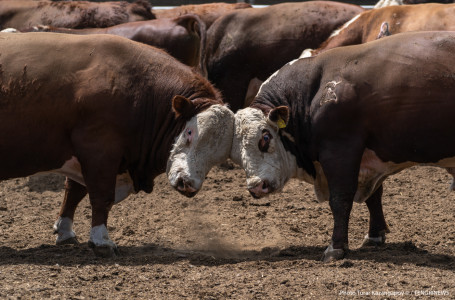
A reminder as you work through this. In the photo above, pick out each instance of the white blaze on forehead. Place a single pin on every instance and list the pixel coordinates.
(276, 166)
(337, 32)
(208, 143)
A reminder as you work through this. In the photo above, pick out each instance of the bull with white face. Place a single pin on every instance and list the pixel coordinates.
(333, 121)
(205, 142)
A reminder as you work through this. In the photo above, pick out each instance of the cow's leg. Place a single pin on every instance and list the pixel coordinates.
(100, 156)
(63, 227)
(378, 225)
(341, 168)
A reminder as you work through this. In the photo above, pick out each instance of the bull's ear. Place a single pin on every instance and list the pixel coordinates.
(280, 116)
(182, 106)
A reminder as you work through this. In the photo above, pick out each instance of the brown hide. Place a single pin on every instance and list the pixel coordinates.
(182, 37)
(103, 99)
(401, 18)
(209, 12)
(71, 14)
(254, 43)
(393, 96)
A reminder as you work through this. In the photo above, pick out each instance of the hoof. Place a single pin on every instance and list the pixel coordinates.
(104, 251)
(331, 254)
(69, 241)
(374, 241)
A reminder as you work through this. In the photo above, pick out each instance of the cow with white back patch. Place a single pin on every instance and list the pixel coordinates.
(105, 112)
(347, 119)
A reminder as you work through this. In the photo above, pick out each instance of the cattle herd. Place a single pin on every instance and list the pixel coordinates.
(112, 94)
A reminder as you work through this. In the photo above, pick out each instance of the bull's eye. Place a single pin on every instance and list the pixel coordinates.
(189, 136)
(264, 142)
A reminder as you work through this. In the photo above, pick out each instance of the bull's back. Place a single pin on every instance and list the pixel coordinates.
(404, 18)
(52, 84)
(398, 91)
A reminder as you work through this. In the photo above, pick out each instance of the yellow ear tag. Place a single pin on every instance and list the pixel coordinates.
(280, 123)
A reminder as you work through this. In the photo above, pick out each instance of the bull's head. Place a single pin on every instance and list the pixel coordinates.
(204, 142)
(257, 147)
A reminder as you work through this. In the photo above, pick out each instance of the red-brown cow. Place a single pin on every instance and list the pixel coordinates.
(182, 37)
(366, 26)
(254, 43)
(101, 109)
(72, 14)
(209, 12)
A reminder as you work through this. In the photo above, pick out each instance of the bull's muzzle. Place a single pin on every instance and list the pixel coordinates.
(185, 187)
(262, 189)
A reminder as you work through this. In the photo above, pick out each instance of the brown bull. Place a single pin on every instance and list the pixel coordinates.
(183, 37)
(366, 26)
(347, 119)
(72, 14)
(209, 12)
(104, 111)
(253, 43)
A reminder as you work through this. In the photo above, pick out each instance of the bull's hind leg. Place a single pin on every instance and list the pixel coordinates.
(378, 225)
(63, 227)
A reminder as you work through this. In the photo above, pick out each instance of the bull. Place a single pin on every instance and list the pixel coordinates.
(105, 112)
(347, 119)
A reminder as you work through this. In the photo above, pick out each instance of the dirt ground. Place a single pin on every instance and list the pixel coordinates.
(223, 244)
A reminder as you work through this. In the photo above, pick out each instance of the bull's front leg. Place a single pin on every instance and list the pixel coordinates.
(341, 205)
(99, 241)
(378, 226)
(340, 164)
(63, 227)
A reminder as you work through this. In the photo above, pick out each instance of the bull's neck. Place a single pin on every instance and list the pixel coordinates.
(296, 135)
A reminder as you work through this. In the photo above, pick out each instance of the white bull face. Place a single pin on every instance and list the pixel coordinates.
(205, 141)
(257, 147)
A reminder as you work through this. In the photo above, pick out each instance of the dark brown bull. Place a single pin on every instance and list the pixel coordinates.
(71, 14)
(182, 37)
(209, 12)
(94, 107)
(253, 43)
(400, 18)
(347, 119)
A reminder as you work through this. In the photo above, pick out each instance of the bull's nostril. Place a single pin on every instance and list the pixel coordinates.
(265, 184)
(180, 184)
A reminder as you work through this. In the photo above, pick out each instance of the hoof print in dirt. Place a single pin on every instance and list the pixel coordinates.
(331, 254)
(104, 251)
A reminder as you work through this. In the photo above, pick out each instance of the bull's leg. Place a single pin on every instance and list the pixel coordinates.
(341, 168)
(378, 225)
(63, 227)
(100, 155)
(101, 189)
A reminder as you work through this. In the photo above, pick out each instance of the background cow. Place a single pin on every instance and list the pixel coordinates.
(209, 12)
(72, 14)
(366, 26)
(97, 109)
(332, 121)
(183, 37)
(253, 43)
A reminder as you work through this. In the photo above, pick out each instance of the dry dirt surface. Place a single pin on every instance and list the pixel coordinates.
(223, 244)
